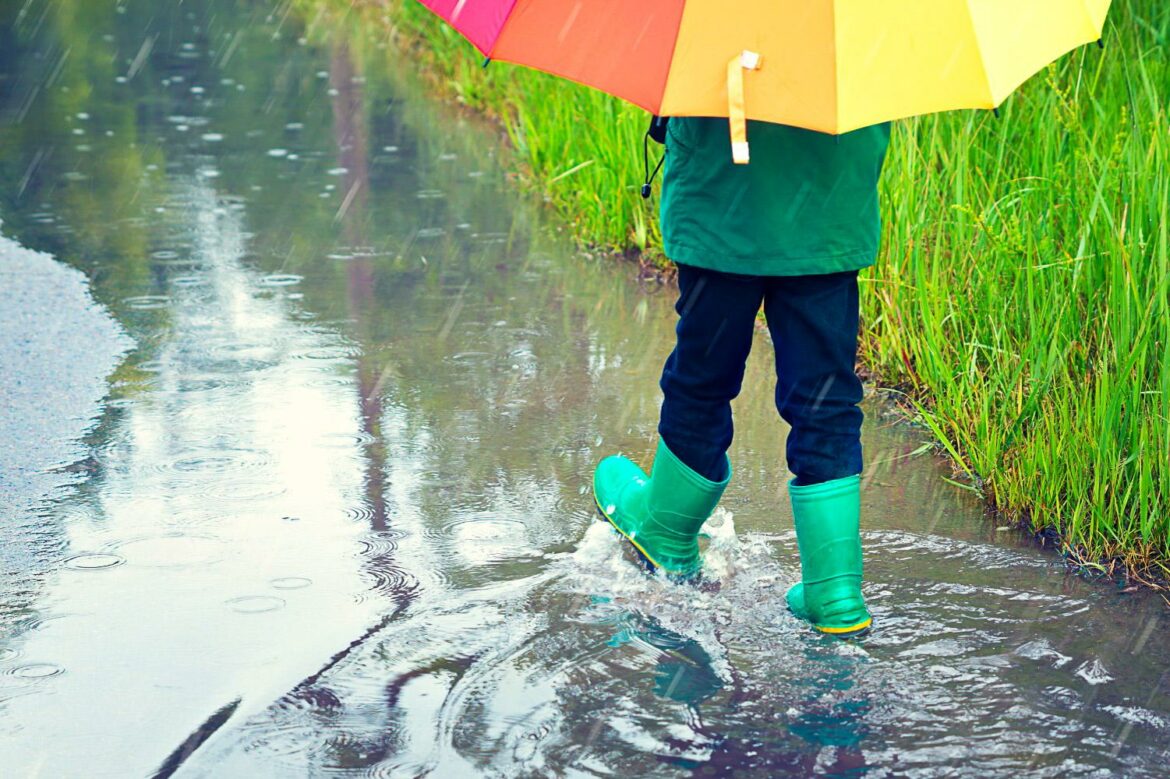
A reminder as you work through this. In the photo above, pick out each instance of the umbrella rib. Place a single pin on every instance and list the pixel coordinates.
(836, 72)
(491, 50)
(979, 54)
(670, 62)
(1092, 17)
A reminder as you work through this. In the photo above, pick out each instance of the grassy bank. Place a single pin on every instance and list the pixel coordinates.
(1020, 302)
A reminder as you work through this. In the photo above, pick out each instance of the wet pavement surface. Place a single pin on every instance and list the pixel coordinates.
(333, 518)
(57, 348)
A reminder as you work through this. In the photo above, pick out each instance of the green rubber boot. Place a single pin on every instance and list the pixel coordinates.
(828, 533)
(660, 514)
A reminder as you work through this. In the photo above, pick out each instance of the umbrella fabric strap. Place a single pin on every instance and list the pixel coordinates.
(736, 111)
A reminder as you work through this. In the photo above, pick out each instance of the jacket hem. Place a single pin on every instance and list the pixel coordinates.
(771, 265)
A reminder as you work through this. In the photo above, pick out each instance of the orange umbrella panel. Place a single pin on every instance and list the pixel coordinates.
(620, 47)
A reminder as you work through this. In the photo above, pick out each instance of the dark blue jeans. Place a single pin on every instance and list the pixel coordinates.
(813, 321)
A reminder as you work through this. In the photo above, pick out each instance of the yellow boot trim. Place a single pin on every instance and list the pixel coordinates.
(625, 535)
(851, 629)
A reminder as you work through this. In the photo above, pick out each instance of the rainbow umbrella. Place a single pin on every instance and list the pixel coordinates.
(826, 65)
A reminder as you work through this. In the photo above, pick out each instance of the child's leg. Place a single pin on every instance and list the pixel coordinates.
(661, 513)
(717, 313)
(813, 321)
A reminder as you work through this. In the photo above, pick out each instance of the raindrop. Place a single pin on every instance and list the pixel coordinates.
(281, 279)
(255, 604)
(385, 579)
(430, 232)
(246, 490)
(213, 137)
(429, 194)
(340, 352)
(146, 302)
(93, 562)
(360, 513)
(291, 582)
(189, 281)
(173, 551)
(346, 440)
(278, 152)
(489, 238)
(37, 670)
(379, 543)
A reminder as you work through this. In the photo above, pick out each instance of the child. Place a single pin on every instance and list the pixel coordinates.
(789, 231)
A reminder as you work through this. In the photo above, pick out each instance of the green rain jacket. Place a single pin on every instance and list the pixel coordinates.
(806, 203)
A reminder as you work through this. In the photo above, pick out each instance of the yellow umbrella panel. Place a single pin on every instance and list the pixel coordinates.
(835, 66)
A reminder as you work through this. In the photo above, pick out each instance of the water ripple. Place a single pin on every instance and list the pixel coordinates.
(93, 561)
(281, 280)
(173, 550)
(220, 459)
(255, 604)
(291, 582)
(36, 671)
(146, 302)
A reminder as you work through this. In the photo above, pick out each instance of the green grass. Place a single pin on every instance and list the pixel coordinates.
(1020, 302)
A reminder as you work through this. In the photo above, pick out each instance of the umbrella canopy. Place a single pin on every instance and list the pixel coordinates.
(826, 65)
